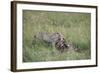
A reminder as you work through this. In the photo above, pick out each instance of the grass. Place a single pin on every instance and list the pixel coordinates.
(74, 26)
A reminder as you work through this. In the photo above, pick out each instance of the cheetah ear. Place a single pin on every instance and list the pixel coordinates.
(57, 33)
(64, 39)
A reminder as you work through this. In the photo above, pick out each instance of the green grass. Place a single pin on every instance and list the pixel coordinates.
(74, 26)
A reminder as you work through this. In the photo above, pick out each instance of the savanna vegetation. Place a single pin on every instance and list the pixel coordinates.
(75, 28)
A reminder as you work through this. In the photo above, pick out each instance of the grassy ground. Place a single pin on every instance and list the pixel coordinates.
(74, 26)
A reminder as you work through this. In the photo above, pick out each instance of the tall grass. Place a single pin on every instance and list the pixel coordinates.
(74, 26)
